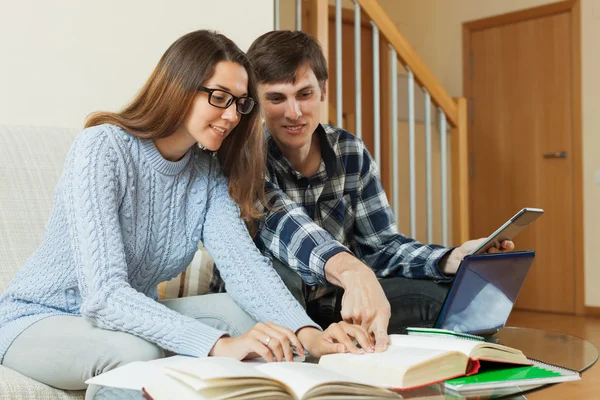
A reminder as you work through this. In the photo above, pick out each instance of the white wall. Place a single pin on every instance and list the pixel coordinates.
(590, 67)
(62, 59)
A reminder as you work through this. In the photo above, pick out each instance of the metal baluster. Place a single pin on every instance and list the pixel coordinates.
(411, 153)
(276, 12)
(298, 15)
(357, 70)
(444, 163)
(428, 180)
(338, 63)
(395, 162)
(376, 100)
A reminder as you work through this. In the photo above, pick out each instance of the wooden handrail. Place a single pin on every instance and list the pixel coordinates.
(411, 59)
(460, 176)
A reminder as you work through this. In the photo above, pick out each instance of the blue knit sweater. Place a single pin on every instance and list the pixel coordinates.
(125, 219)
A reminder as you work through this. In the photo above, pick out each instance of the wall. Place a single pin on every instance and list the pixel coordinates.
(434, 28)
(590, 26)
(63, 59)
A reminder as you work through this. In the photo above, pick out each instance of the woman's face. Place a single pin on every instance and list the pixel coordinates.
(207, 124)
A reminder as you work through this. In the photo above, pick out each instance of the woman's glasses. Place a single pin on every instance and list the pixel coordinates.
(223, 99)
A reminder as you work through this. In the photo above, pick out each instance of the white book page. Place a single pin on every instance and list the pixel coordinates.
(430, 342)
(138, 374)
(384, 369)
(198, 384)
(302, 377)
(165, 387)
(206, 368)
(135, 375)
(400, 357)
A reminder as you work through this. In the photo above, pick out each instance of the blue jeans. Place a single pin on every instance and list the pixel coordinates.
(414, 302)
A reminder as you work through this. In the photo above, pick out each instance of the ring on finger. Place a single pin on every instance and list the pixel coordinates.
(267, 340)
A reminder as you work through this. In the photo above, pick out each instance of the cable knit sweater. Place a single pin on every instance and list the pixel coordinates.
(125, 219)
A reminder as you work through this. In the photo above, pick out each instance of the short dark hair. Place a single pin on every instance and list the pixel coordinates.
(276, 55)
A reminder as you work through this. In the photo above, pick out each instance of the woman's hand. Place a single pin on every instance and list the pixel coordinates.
(338, 338)
(267, 340)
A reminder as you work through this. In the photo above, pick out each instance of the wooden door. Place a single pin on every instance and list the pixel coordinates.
(521, 89)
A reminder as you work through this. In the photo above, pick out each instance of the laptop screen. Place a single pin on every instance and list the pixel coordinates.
(484, 292)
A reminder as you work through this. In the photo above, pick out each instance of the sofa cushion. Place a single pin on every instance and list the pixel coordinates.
(14, 386)
(195, 280)
(30, 168)
(31, 164)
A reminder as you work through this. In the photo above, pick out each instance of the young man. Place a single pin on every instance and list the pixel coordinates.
(331, 232)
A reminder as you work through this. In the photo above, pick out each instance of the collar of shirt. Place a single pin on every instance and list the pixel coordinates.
(329, 157)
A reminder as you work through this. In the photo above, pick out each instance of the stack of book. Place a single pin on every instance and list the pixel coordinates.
(411, 361)
(498, 377)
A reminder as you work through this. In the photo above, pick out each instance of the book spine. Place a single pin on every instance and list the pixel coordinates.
(472, 367)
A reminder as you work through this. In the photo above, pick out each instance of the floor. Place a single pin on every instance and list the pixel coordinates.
(584, 327)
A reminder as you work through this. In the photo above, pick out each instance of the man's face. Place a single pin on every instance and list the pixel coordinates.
(292, 110)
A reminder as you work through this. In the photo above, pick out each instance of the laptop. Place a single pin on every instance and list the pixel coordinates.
(484, 291)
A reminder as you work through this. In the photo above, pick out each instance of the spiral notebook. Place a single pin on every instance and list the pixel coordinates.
(537, 374)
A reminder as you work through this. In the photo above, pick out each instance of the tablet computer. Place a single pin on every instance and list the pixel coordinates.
(509, 229)
(484, 291)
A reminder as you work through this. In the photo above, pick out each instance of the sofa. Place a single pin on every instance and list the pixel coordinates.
(30, 166)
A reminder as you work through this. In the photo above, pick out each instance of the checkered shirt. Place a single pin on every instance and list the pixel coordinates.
(341, 208)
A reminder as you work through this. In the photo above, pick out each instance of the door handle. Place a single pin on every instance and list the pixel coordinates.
(559, 154)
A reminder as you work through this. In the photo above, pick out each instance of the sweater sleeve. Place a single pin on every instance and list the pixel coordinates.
(250, 277)
(108, 299)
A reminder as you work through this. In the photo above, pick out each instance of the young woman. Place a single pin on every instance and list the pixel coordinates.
(136, 195)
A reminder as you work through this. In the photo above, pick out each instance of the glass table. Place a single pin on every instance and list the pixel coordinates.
(546, 346)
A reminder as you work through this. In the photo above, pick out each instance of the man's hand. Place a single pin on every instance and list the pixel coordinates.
(337, 338)
(449, 264)
(364, 302)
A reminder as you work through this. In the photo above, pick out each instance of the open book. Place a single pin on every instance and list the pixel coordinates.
(413, 361)
(409, 362)
(220, 378)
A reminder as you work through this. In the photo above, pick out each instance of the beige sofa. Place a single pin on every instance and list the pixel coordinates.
(31, 162)
(30, 165)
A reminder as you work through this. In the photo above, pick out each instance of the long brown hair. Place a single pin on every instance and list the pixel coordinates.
(167, 96)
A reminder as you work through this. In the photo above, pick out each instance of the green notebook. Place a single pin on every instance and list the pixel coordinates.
(443, 333)
(537, 374)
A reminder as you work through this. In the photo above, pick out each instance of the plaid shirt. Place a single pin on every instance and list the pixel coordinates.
(341, 208)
